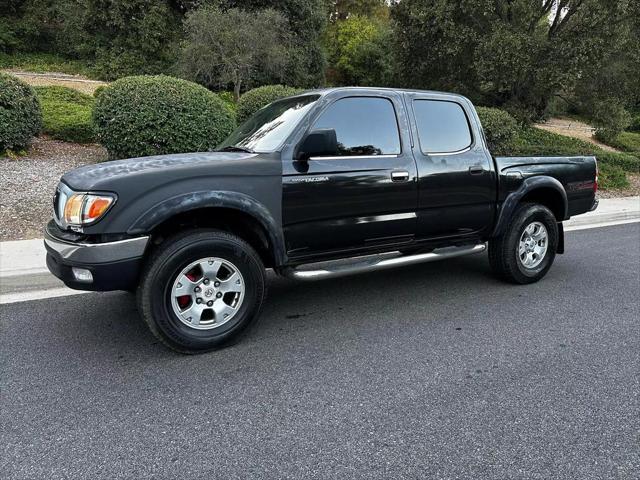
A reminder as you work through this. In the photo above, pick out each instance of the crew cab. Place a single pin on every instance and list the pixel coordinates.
(326, 183)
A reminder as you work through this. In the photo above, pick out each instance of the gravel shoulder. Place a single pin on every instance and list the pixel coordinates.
(27, 184)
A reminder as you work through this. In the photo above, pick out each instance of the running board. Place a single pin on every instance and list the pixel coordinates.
(339, 268)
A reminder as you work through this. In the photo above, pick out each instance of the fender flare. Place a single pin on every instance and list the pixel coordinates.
(170, 207)
(528, 185)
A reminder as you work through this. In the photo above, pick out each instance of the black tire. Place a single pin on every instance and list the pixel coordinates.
(168, 261)
(503, 250)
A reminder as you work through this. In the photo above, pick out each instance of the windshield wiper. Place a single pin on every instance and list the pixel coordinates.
(233, 148)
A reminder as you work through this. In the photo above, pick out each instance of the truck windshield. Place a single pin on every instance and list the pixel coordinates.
(270, 126)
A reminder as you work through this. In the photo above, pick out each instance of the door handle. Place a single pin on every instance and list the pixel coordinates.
(476, 170)
(399, 176)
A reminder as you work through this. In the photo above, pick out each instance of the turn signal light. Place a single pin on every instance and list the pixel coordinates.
(86, 208)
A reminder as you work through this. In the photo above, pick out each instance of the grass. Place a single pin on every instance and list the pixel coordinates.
(627, 142)
(66, 114)
(43, 63)
(613, 166)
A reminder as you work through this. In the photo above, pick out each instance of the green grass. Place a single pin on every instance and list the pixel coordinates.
(627, 142)
(613, 166)
(66, 114)
(43, 63)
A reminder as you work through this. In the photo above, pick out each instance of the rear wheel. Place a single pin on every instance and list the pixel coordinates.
(202, 290)
(525, 251)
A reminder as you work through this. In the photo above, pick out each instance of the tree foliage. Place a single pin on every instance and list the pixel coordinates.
(514, 54)
(234, 46)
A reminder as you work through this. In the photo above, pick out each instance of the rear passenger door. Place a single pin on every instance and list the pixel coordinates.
(363, 197)
(456, 180)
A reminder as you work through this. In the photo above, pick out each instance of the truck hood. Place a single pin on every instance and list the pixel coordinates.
(144, 172)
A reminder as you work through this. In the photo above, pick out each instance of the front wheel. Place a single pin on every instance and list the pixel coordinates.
(202, 290)
(525, 252)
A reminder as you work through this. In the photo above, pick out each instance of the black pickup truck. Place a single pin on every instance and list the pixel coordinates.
(325, 183)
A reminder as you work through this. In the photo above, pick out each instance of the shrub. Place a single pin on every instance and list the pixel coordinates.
(628, 163)
(635, 123)
(610, 119)
(66, 114)
(500, 129)
(611, 176)
(230, 102)
(255, 99)
(154, 115)
(20, 113)
(627, 142)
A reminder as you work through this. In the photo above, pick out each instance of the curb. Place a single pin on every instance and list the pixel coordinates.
(24, 276)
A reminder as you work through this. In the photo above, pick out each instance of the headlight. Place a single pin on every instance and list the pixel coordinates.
(86, 208)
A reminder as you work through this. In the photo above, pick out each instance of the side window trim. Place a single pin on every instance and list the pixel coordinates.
(443, 153)
(342, 157)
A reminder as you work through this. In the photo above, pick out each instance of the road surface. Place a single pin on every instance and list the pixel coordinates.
(435, 370)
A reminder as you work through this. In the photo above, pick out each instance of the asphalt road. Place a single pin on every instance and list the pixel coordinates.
(432, 371)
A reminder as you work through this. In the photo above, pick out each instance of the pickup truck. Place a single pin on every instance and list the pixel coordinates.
(326, 183)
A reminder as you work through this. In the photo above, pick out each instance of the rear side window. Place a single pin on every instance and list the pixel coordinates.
(442, 126)
(363, 125)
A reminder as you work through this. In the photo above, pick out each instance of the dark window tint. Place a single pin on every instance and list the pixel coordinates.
(442, 126)
(363, 125)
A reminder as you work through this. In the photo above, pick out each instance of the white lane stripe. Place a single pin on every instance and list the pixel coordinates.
(6, 298)
(602, 224)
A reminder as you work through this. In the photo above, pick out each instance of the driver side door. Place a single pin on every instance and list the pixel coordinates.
(362, 197)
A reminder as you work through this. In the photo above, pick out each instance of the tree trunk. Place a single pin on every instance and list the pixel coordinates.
(236, 88)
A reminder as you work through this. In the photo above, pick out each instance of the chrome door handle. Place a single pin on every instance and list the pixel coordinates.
(399, 176)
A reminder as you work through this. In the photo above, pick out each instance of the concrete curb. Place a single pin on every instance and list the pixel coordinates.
(24, 275)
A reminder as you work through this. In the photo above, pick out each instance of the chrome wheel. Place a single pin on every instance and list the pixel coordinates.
(207, 293)
(533, 245)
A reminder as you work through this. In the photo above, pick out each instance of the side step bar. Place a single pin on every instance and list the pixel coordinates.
(339, 268)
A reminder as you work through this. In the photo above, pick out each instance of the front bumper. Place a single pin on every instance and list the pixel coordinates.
(113, 265)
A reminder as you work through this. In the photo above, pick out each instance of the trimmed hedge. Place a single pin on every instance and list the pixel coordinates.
(66, 114)
(500, 129)
(154, 115)
(20, 113)
(255, 99)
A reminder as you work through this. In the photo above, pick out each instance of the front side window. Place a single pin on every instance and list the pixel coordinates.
(363, 125)
(442, 126)
(269, 127)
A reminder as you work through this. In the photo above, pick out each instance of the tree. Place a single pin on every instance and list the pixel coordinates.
(359, 52)
(514, 54)
(232, 46)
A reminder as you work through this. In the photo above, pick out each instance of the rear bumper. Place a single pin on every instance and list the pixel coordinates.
(113, 265)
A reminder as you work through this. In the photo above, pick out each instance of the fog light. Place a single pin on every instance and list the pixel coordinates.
(82, 275)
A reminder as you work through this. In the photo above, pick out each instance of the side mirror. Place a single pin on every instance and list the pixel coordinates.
(323, 142)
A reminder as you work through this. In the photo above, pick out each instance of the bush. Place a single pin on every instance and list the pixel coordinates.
(500, 129)
(66, 114)
(628, 163)
(610, 119)
(20, 113)
(227, 98)
(255, 99)
(611, 176)
(627, 142)
(153, 115)
(635, 123)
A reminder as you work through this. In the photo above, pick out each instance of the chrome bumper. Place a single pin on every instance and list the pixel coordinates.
(96, 253)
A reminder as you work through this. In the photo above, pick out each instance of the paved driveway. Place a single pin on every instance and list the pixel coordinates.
(430, 371)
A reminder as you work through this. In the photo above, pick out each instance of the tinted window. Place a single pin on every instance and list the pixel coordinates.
(442, 126)
(363, 125)
(271, 125)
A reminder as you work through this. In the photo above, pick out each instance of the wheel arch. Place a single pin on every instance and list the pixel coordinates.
(543, 190)
(229, 211)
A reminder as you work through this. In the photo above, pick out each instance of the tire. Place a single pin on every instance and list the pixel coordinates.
(205, 318)
(525, 262)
